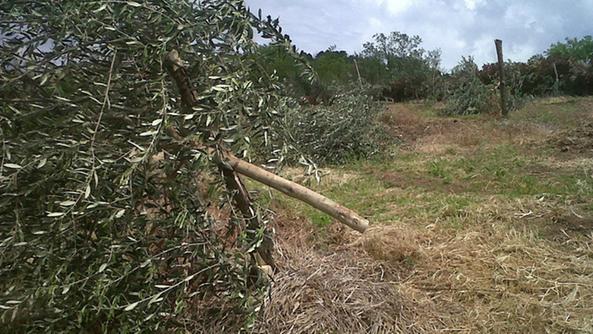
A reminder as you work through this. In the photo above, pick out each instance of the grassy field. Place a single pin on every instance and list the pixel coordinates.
(478, 226)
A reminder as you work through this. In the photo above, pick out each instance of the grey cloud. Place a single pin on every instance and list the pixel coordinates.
(457, 27)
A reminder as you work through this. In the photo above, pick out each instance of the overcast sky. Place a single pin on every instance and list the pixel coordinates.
(457, 27)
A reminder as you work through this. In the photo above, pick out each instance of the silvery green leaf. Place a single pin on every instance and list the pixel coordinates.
(132, 306)
(120, 213)
(42, 163)
(13, 166)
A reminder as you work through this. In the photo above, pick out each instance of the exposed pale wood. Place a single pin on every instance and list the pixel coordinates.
(358, 73)
(556, 86)
(295, 190)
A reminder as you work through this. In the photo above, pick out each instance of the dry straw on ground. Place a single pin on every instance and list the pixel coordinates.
(338, 290)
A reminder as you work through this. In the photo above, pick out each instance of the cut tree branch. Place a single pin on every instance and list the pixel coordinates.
(295, 190)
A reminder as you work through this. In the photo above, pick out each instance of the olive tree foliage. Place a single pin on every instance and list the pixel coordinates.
(347, 128)
(102, 226)
(467, 93)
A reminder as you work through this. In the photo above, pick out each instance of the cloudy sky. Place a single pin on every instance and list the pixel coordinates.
(457, 27)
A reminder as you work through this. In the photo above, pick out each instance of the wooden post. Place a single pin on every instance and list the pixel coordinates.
(358, 73)
(556, 87)
(503, 98)
(295, 190)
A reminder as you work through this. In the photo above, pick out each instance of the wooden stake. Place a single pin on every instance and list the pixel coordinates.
(556, 86)
(358, 73)
(503, 99)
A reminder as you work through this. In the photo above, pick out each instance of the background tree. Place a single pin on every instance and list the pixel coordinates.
(573, 48)
(334, 67)
(397, 62)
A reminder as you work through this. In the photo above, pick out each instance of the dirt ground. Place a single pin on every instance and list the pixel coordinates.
(479, 225)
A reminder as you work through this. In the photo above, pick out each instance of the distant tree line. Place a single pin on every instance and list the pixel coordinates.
(565, 68)
(395, 66)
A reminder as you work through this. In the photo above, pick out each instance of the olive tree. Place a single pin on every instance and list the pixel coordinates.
(107, 218)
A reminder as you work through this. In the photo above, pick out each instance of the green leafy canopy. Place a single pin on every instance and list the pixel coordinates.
(101, 222)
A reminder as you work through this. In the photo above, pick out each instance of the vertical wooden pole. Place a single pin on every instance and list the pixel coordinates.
(556, 87)
(503, 98)
(358, 73)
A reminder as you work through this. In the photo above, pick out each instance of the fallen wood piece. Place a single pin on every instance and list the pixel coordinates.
(292, 189)
(295, 190)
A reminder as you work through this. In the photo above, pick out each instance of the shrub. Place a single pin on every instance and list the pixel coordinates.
(467, 94)
(102, 227)
(476, 91)
(332, 133)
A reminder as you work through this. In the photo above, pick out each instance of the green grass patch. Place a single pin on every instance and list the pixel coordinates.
(557, 111)
(448, 188)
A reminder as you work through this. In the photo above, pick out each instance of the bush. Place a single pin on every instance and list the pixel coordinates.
(476, 91)
(102, 226)
(467, 94)
(332, 133)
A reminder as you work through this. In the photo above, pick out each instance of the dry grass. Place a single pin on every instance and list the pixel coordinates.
(339, 290)
(497, 276)
(501, 280)
(499, 263)
(391, 244)
(437, 135)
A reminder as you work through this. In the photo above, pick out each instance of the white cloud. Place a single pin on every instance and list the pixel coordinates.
(457, 27)
(394, 7)
(473, 4)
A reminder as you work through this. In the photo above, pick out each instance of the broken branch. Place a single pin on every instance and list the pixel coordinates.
(295, 190)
